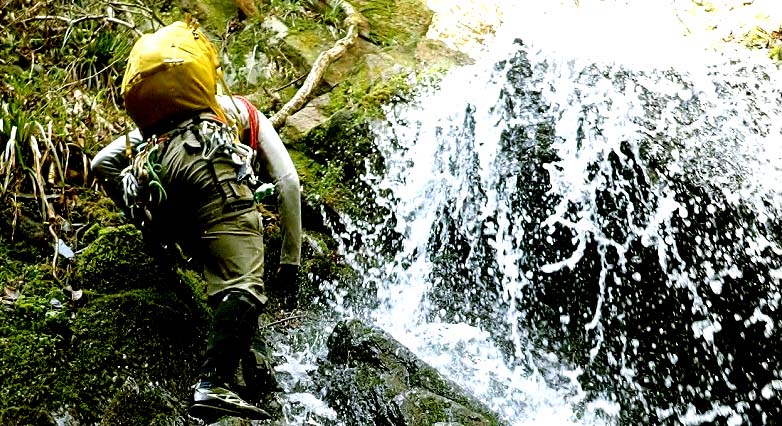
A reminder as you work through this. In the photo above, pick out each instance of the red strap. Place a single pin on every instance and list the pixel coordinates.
(254, 120)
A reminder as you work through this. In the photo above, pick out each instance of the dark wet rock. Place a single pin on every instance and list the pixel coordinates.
(373, 379)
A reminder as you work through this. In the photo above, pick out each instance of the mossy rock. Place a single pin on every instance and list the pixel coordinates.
(30, 366)
(143, 404)
(395, 23)
(348, 134)
(384, 383)
(213, 15)
(117, 260)
(145, 335)
(26, 416)
(421, 407)
(306, 47)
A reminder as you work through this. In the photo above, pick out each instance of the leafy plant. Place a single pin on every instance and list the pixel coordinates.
(60, 68)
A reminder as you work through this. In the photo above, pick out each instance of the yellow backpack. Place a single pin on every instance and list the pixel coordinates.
(171, 72)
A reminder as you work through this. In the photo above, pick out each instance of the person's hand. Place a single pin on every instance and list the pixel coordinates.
(288, 284)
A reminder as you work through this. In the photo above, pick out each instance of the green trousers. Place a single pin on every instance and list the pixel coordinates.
(211, 215)
(233, 255)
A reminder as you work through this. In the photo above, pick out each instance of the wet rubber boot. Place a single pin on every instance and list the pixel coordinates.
(234, 323)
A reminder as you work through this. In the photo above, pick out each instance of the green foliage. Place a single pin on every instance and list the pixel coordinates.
(760, 39)
(60, 69)
(295, 14)
(334, 15)
(757, 38)
(775, 53)
(257, 65)
(100, 55)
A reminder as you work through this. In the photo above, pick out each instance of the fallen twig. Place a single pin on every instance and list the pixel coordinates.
(284, 320)
(356, 24)
(285, 86)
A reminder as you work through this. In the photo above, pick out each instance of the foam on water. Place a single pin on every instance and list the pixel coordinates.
(577, 53)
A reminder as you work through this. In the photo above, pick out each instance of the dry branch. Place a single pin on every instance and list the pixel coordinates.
(47, 211)
(72, 22)
(357, 25)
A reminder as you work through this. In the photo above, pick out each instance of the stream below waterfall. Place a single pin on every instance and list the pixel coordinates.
(584, 226)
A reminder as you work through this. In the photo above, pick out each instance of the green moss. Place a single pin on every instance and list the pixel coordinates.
(310, 43)
(193, 289)
(117, 260)
(56, 356)
(368, 380)
(366, 94)
(40, 305)
(149, 336)
(425, 408)
(395, 22)
(213, 16)
(351, 138)
(26, 416)
(100, 211)
(30, 365)
(142, 404)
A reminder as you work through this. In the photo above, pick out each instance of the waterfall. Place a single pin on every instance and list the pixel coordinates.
(583, 230)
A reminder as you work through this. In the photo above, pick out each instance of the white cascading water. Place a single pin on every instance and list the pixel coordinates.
(596, 70)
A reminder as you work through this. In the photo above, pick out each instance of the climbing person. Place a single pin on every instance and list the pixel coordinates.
(186, 176)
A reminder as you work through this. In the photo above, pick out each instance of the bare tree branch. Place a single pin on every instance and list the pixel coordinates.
(357, 25)
(147, 12)
(72, 22)
(97, 73)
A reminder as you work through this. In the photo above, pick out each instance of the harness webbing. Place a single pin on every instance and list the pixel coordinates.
(141, 181)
